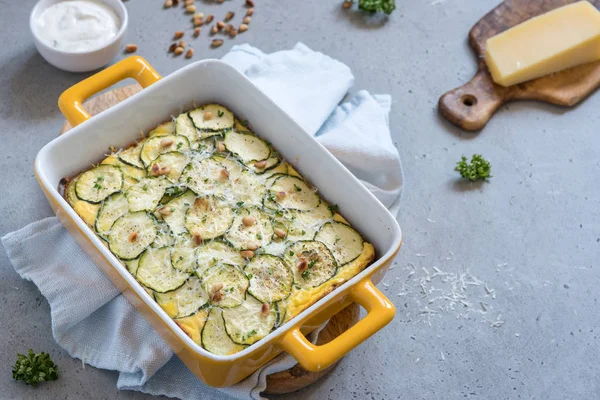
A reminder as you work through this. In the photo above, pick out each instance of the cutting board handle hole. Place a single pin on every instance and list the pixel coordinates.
(468, 100)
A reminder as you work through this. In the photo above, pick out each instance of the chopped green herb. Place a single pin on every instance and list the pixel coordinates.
(249, 276)
(34, 368)
(259, 236)
(298, 188)
(179, 145)
(297, 286)
(239, 203)
(204, 219)
(478, 168)
(303, 232)
(333, 208)
(291, 253)
(375, 6)
(97, 185)
(206, 180)
(312, 263)
(189, 179)
(220, 113)
(244, 122)
(306, 274)
(145, 188)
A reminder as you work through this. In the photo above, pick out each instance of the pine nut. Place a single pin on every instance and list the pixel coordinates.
(224, 174)
(229, 15)
(250, 12)
(172, 47)
(196, 32)
(165, 211)
(166, 142)
(178, 51)
(168, 3)
(253, 246)
(216, 43)
(247, 253)
(243, 28)
(280, 195)
(133, 236)
(182, 43)
(280, 233)
(209, 18)
(248, 220)
(220, 147)
(190, 53)
(265, 309)
(220, 25)
(347, 4)
(302, 265)
(246, 20)
(260, 164)
(178, 34)
(190, 9)
(131, 48)
(207, 115)
(250, 3)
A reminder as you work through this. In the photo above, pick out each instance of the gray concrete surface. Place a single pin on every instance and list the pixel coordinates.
(532, 234)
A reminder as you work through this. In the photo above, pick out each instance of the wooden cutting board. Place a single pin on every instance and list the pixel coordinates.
(296, 377)
(471, 106)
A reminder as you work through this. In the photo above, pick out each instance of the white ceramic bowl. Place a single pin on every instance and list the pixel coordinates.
(80, 61)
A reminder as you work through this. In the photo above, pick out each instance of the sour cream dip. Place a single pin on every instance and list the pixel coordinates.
(77, 26)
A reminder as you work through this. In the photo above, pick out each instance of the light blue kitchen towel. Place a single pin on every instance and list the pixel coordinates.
(93, 322)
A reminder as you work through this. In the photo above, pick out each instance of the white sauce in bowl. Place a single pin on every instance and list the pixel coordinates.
(77, 25)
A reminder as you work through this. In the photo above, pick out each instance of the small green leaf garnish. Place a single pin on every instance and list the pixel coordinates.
(239, 203)
(478, 168)
(298, 188)
(333, 208)
(220, 113)
(34, 368)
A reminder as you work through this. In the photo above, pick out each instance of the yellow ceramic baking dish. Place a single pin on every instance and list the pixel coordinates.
(215, 81)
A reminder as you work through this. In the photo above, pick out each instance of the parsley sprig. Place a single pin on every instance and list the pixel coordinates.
(34, 368)
(478, 168)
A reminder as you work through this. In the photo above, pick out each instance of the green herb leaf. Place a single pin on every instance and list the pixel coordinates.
(306, 274)
(220, 113)
(239, 203)
(375, 6)
(34, 368)
(298, 188)
(478, 168)
(333, 208)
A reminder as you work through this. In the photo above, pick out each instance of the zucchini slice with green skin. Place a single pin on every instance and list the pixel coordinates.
(193, 324)
(220, 121)
(128, 171)
(164, 237)
(131, 234)
(251, 228)
(270, 163)
(250, 321)
(145, 195)
(214, 336)
(175, 210)
(98, 183)
(247, 147)
(214, 253)
(183, 254)
(185, 300)
(87, 211)
(156, 272)
(174, 161)
(249, 189)
(208, 217)
(297, 195)
(344, 242)
(157, 145)
(204, 176)
(131, 156)
(185, 127)
(281, 313)
(132, 265)
(303, 225)
(226, 285)
(270, 278)
(166, 128)
(312, 263)
(113, 208)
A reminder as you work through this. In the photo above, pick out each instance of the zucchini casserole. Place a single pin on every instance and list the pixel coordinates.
(227, 237)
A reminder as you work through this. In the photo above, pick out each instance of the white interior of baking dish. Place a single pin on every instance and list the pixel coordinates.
(215, 81)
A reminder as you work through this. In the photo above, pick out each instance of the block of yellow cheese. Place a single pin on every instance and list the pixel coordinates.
(562, 38)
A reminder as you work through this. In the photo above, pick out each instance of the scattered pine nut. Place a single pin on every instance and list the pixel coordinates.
(168, 3)
(247, 253)
(243, 28)
(196, 32)
(209, 18)
(220, 1)
(131, 48)
(187, 2)
(220, 147)
(265, 310)
(250, 3)
(228, 28)
(302, 265)
(198, 22)
(214, 30)
(190, 9)
(280, 195)
(175, 2)
(347, 4)
(216, 297)
(224, 174)
(182, 43)
(253, 246)
(164, 171)
(216, 287)
(172, 47)
(179, 51)
(216, 43)
(248, 220)
(250, 12)
(280, 233)
(197, 239)
(246, 20)
(178, 34)
(198, 15)
(190, 53)
(220, 25)
(260, 164)
(207, 115)
(166, 142)
(165, 211)
(132, 237)
(229, 15)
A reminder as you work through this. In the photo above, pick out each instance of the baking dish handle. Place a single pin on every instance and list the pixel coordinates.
(71, 100)
(380, 311)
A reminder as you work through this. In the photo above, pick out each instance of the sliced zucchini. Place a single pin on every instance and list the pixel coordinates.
(250, 321)
(185, 127)
(205, 147)
(164, 236)
(131, 156)
(183, 255)
(175, 161)
(275, 248)
(185, 300)
(208, 217)
(214, 336)
(297, 195)
(312, 263)
(344, 242)
(213, 253)
(281, 312)
(251, 228)
(158, 145)
(204, 176)
(303, 225)
(131, 234)
(249, 189)
(193, 324)
(146, 194)
(166, 128)
(242, 125)
(128, 171)
(247, 147)
(173, 212)
(156, 272)
(270, 163)
(270, 278)
(280, 168)
(98, 183)
(212, 119)
(87, 211)
(226, 285)
(132, 265)
(112, 209)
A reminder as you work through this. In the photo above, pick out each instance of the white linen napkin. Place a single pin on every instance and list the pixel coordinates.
(93, 322)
